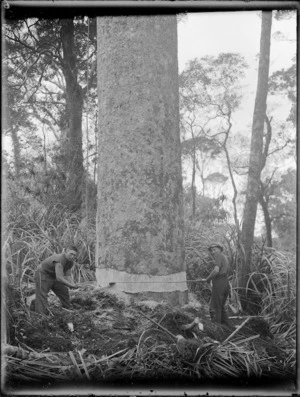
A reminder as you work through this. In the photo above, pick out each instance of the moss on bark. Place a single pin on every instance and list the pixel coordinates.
(140, 219)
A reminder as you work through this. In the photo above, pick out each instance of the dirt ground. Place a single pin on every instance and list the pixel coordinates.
(105, 323)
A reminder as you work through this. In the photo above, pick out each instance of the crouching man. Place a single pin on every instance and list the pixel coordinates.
(54, 273)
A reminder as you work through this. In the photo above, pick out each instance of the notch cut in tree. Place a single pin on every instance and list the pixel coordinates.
(140, 242)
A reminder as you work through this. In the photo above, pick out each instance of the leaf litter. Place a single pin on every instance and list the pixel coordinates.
(112, 338)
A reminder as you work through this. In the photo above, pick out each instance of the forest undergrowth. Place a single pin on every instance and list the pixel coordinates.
(113, 336)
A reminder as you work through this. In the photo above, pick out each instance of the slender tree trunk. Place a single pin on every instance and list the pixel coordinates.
(45, 150)
(267, 218)
(74, 100)
(264, 202)
(140, 243)
(16, 151)
(202, 178)
(5, 200)
(194, 186)
(235, 192)
(256, 153)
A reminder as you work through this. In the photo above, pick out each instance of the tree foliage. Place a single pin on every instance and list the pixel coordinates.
(284, 82)
(46, 63)
(283, 209)
(210, 93)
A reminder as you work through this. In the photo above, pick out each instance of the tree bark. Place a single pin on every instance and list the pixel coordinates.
(5, 207)
(194, 189)
(267, 219)
(17, 152)
(140, 242)
(256, 153)
(74, 102)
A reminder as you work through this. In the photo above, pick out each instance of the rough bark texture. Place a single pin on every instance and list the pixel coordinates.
(262, 196)
(140, 242)
(17, 152)
(74, 100)
(5, 200)
(256, 150)
(194, 189)
(268, 222)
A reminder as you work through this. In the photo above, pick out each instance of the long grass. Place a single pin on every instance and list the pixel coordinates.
(38, 233)
(271, 284)
(274, 280)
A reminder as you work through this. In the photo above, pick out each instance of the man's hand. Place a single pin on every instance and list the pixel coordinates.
(75, 286)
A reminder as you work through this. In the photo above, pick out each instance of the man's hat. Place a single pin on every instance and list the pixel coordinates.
(215, 246)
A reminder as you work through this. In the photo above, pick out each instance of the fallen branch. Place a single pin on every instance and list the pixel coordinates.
(75, 364)
(237, 330)
(84, 366)
(247, 339)
(18, 352)
(246, 317)
(163, 328)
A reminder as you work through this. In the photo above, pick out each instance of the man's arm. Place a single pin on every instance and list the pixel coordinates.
(218, 265)
(68, 276)
(213, 274)
(67, 280)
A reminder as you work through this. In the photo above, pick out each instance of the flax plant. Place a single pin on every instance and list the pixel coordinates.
(36, 233)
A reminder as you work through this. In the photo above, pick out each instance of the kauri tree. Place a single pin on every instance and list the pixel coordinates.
(140, 244)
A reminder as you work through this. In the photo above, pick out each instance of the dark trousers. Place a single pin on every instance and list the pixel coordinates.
(45, 283)
(219, 295)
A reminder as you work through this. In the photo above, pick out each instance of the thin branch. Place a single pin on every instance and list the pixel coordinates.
(269, 180)
(280, 148)
(18, 40)
(46, 102)
(38, 85)
(235, 192)
(30, 32)
(93, 74)
(267, 142)
(51, 117)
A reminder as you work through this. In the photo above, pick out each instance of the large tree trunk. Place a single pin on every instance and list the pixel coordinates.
(256, 152)
(140, 242)
(74, 101)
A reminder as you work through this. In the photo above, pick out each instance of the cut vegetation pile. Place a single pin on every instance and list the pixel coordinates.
(114, 338)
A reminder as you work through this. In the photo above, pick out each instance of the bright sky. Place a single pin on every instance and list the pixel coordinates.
(208, 33)
(201, 34)
(211, 33)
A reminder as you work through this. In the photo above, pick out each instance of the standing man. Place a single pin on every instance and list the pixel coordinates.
(55, 273)
(220, 285)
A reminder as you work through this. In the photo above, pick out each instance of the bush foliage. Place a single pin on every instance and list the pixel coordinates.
(35, 231)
